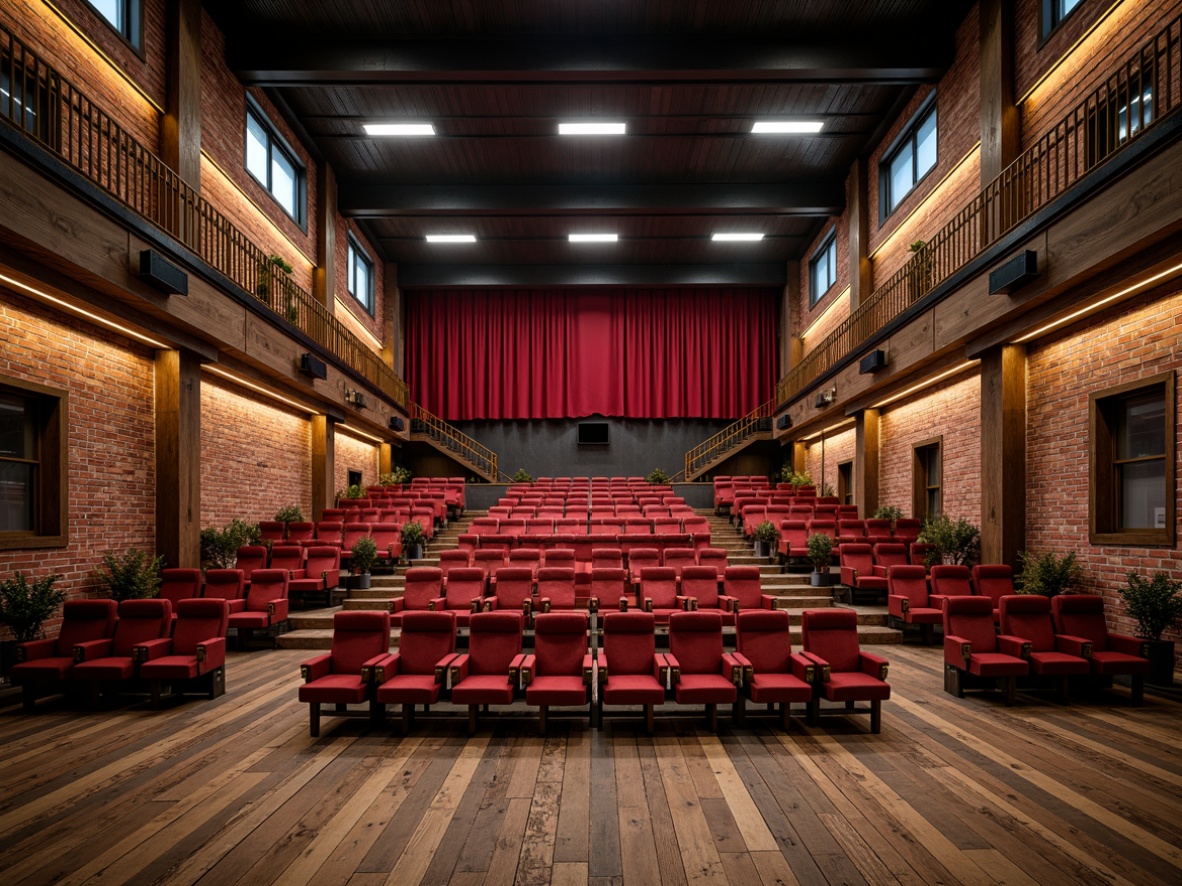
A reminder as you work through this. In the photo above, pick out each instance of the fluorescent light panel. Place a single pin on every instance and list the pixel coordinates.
(399, 129)
(593, 238)
(592, 127)
(451, 238)
(737, 238)
(787, 127)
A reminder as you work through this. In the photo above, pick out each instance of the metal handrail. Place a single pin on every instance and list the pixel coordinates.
(476, 454)
(47, 108)
(743, 429)
(1134, 99)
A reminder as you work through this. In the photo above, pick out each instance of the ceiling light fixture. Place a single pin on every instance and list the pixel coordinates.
(593, 238)
(451, 238)
(592, 127)
(787, 127)
(399, 129)
(737, 238)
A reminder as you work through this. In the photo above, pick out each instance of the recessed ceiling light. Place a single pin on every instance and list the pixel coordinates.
(593, 238)
(737, 238)
(786, 127)
(403, 129)
(591, 127)
(451, 238)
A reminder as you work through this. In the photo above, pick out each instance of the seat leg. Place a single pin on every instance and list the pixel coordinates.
(29, 697)
(929, 634)
(1138, 689)
(849, 705)
(1065, 689)
(814, 709)
(712, 716)
(876, 716)
(741, 711)
(542, 709)
(154, 689)
(1011, 689)
(377, 712)
(217, 682)
(314, 718)
(785, 715)
(408, 712)
(649, 724)
(472, 712)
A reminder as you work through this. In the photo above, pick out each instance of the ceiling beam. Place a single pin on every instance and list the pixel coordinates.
(804, 198)
(412, 276)
(844, 58)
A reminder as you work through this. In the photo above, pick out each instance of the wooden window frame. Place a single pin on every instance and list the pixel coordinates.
(276, 143)
(51, 504)
(822, 254)
(919, 477)
(845, 487)
(354, 250)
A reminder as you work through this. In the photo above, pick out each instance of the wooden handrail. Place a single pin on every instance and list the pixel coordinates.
(734, 433)
(474, 453)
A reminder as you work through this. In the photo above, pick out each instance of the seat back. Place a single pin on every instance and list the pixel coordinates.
(850, 527)
(606, 558)
(197, 621)
(701, 582)
(795, 533)
(515, 585)
(179, 584)
(910, 582)
(140, 621)
(560, 642)
(494, 640)
(608, 584)
(993, 581)
(271, 530)
(715, 557)
(358, 636)
(856, 555)
(488, 560)
(678, 559)
(563, 558)
(463, 586)
(250, 558)
(83, 621)
(528, 558)
(660, 584)
(629, 642)
(972, 619)
(877, 527)
(423, 583)
(1028, 616)
(823, 525)
(557, 583)
(330, 532)
(456, 559)
(287, 557)
(426, 638)
(832, 634)
(695, 640)
(322, 559)
(301, 531)
(952, 581)
(266, 585)
(744, 584)
(226, 584)
(762, 635)
(908, 528)
(890, 554)
(1081, 615)
(918, 552)
(640, 559)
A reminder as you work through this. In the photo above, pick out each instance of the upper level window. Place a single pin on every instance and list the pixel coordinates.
(273, 163)
(909, 159)
(823, 269)
(122, 15)
(360, 271)
(32, 465)
(1054, 11)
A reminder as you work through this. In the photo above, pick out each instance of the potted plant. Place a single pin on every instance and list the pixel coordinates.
(827, 490)
(1048, 575)
(350, 492)
(1156, 604)
(129, 576)
(362, 556)
(24, 607)
(400, 476)
(522, 476)
(412, 540)
(289, 514)
(767, 539)
(954, 542)
(820, 555)
(269, 268)
(219, 547)
(788, 475)
(657, 477)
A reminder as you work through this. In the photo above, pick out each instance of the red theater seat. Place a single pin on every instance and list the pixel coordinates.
(697, 668)
(560, 671)
(657, 592)
(416, 673)
(845, 673)
(743, 589)
(1029, 632)
(490, 671)
(908, 600)
(265, 606)
(514, 591)
(322, 574)
(1081, 630)
(42, 662)
(630, 666)
(179, 584)
(993, 581)
(971, 648)
(195, 653)
(360, 641)
(423, 592)
(464, 593)
(772, 673)
(556, 588)
(857, 572)
(109, 662)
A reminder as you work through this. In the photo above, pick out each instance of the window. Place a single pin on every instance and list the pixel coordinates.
(909, 158)
(1132, 463)
(845, 482)
(354, 478)
(927, 499)
(1053, 13)
(360, 271)
(272, 162)
(32, 465)
(823, 269)
(122, 15)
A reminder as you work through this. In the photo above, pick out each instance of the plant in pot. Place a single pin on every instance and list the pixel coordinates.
(523, 476)
(400, 476)
(289, 514)
(1155, 603)
(412, 540)
(24, 607)
(219, 547)
(767, 539)
(351, 492)
(788, 475)
(657, 477)
(362, 556)
(820, 547)
(954, 542)
(1048, 575)
(130, 576)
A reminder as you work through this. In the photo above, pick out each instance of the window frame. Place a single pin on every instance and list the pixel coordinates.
(920, 479)
(906, 139)
(134, 35)
(1103, 492)
(276, 141)
(353, 249)
(1049, 18)
(51, 503)
(829, 242)
(845, 482)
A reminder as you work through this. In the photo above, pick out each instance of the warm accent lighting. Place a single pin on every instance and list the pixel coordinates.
(593, 238)
(406, 130)
(451, 238)
(926, 383)
(357, 432)
(736, 238)
(786, 127)
(591, 128)
(258, 389)
(82, 312)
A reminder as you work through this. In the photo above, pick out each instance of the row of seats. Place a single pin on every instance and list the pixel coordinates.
(258, 604)
(105, 645)
(341, 533)
(583, 558)
(753, 515)
(584, 510)
(565, 670)
(311, 571)
(795, 534)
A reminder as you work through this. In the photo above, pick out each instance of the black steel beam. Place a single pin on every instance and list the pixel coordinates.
(447, 276)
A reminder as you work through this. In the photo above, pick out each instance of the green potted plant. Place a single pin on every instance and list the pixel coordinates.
(413, 537)
(269, 269)
(657, 477)
(219, 547)
(289, 514)
(954, 542)
(767, 539)
(351, 492)
(129, 576)
(1048, 575)
(523, 476)
(788, 475)
(400, 476)
(24, 607)
(1155, 604)
(827, 490)
(820, 548)
(362, 556)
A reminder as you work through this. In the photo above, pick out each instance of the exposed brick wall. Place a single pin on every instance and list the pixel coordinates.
(353, 454)
(838, 448)
(111, 434)
(256, 456)
(952, 410)
(146, 67)
(1092, 356)
(374, 324)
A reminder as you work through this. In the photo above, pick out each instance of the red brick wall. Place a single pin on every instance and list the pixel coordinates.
(838, 448)
(1141, 341)
(353, 454)
(345, 227)
(951, 409)
(256, 456)
(111, 433)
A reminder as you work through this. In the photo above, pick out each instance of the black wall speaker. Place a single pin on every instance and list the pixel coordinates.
(1015, 273)
(161, 274)
(313, 367)
(784, 422)
(872, 362)
(822, 401)
(396, 423)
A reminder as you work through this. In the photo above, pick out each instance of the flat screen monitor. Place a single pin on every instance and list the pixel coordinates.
(593, 433)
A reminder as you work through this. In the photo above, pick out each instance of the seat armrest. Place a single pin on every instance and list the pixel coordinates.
(92, 649)
(957, 650)
(898, 605)
(544, 604)
(672, 671)
(727, 603)
(397, 604)
(593, 604)
(745, 662)
(211, 654)
(315, 668)
(32, 650)
(689, 604)
(803, 668)
(1127, 645)
(1080, 646)
(368, 669)
(152, 649)
(588, 668)
(879, 571)
(457, 670)
(623, 604)
(1014, 646)
(437, 604)
(849, 575)
(386, 668)
(873, 665)
(443, 666)
(732, 668)
(293, 574)
(277, 610)
(648, 604)
(521, 669)
(238, 604)
(821, 668)
(331, 577)
(767, 601)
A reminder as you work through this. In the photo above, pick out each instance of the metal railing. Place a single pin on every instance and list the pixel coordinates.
(38, 101)
(753, 423)
(479, 457)
(1134, 98)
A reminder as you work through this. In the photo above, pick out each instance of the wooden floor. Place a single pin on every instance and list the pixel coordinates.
(234, 791)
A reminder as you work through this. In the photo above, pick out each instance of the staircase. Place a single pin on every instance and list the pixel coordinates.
(731, 440)
(456, 445)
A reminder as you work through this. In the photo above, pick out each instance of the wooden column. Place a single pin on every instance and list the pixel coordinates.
(859, 233)
(180, 132)
(790, 344)
(325, 275)
(800, 458)
(393, 312)
(323, 464)
(1000, 131)
(866, 446)
(178, 459)
(385, 458)
(1003, 454)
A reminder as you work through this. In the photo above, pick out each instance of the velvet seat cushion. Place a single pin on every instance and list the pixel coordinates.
(1106, 663)
(556, 690)
(997, 664)
(632, 689)
(855, 686)
(1058, 664)
(248, 620)
(923, 616)
(111, 668)
(56, 668)
(409, 689)
(170, 667)
(783, 688)
(335, 689)
(483, 689)
(705, 689)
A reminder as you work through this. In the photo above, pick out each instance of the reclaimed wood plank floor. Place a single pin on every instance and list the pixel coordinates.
(951, 791)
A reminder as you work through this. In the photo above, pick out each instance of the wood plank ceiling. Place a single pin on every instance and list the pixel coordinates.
(495, 77)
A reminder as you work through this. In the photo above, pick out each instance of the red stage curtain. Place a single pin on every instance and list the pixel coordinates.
(630, 353)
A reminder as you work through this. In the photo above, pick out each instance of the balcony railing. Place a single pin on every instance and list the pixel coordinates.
(38, 101)
(704, 454)
(460, 445)
(1134, 98)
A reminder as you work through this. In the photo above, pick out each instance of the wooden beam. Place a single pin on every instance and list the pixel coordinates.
(393, 310)
(866, 448)
(800, 458)
(857, 199)
(323, 464)
(385, 460)
(1001, 136)
(325, 275)
(791, 347)
(180, 131)
(455, 275)
(1003, 454)
(178, 458)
